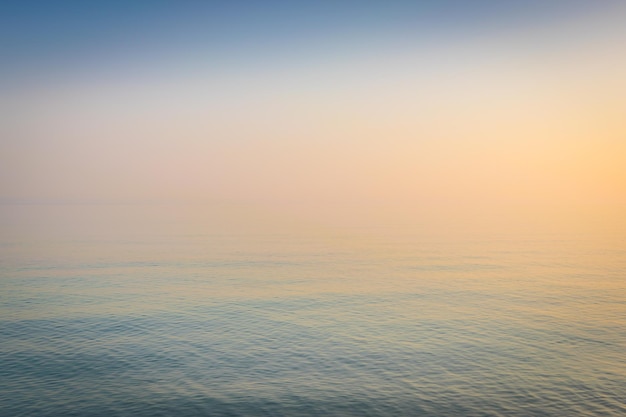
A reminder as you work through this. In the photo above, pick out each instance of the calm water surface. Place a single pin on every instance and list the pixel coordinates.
(168, 321)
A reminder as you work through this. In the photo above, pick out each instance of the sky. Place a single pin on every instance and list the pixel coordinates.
(345, 112)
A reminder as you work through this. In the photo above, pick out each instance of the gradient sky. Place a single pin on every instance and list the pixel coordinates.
(336, 110)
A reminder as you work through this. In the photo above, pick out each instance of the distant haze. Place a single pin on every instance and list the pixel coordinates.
(396, 115)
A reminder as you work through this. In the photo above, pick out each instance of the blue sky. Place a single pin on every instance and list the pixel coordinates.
(57, 36)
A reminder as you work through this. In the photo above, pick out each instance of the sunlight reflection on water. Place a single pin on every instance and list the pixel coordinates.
(298, 323)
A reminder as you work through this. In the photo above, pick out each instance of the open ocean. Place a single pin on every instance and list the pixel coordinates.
(207, 321)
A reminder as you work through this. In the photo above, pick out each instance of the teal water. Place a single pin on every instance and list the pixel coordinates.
(207, 321)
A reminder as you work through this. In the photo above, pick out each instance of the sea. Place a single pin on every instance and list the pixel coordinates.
(118, 311)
